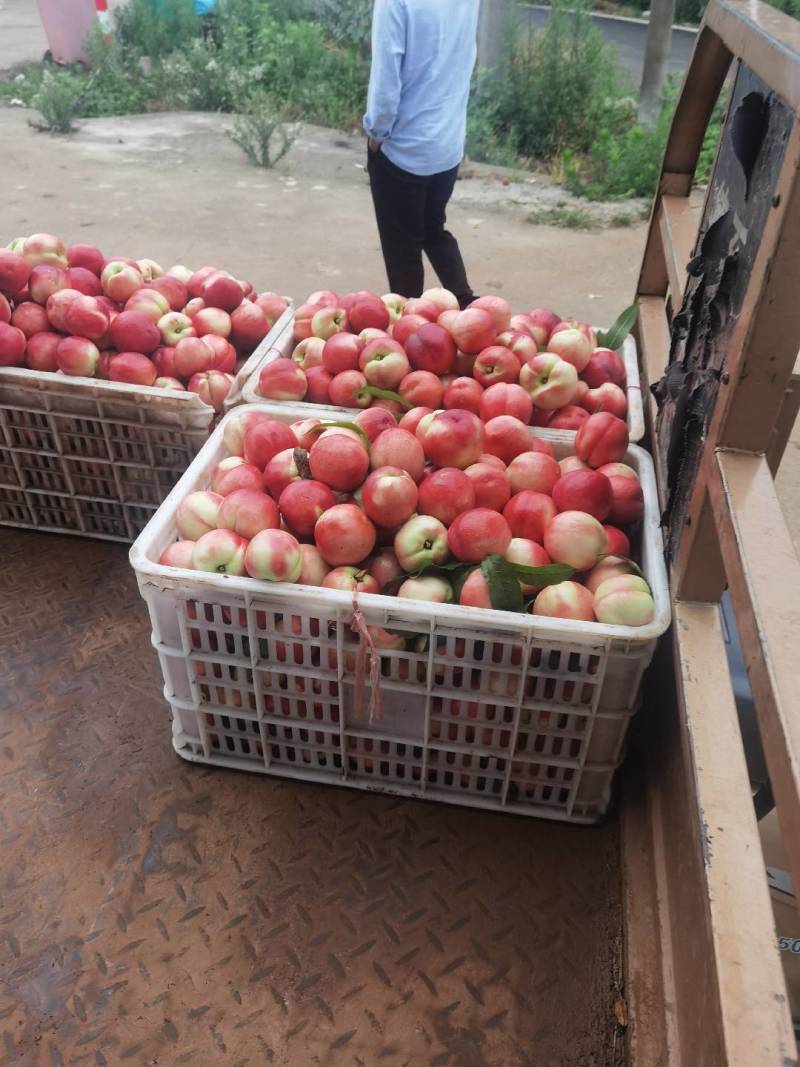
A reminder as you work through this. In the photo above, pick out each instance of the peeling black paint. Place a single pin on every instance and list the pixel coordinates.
(739, 201)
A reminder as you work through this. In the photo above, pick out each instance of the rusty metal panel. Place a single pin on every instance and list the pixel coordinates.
(152, 911)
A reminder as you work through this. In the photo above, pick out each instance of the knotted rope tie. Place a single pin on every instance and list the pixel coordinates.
(366, 645)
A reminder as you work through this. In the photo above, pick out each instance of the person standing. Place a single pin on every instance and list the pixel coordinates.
(423, 55)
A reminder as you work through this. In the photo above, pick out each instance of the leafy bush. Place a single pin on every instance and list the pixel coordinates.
(789, 7)
(117, 84)
(55, 102)
(349, 22)
(567, 218)
(156, 27)
(562, 86)
(618, 164)
(25, 84)
(162, 58)
(261, 131)
(627, 163)
(197, 79)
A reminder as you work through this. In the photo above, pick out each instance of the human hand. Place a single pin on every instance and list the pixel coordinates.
(374, 145)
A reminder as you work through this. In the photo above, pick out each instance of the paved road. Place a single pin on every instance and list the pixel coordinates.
(629, 36)
(21, 34)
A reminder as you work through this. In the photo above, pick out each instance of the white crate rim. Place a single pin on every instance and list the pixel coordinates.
(282, 345)
(77, 385)
(246, 371)
(160, 531)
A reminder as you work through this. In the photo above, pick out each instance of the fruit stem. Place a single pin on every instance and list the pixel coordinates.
(384, 394)
(330, 424)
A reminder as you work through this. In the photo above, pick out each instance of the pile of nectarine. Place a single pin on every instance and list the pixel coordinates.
(440, 507)
(74, 311)
(362, 351)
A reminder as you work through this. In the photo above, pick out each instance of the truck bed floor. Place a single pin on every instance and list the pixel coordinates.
(157, 912)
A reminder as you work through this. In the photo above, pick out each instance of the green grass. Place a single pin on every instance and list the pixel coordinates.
(567, 218)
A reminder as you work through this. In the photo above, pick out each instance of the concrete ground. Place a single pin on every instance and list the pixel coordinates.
(176, 188)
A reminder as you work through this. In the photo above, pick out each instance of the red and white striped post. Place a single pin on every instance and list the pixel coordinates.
(103, 17)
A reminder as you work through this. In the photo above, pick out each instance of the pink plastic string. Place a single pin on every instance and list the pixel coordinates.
(366, 645)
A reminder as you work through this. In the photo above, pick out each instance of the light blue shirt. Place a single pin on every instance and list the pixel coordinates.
(423, 55)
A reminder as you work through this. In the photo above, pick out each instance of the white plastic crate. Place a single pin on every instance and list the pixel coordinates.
(492, 709)
(89, 457)
(96, 458)
(282, 346)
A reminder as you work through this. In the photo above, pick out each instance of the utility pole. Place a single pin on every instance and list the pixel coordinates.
(656, 60)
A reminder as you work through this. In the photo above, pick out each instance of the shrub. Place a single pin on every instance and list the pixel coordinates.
(117, 84)
(261, 131)
(485, 144)
(618, 165)
(156, 27)
(627, 163)
(324, 83)
(166, 62)
(55, 102)
(349, 22)
(562, 86)
(568, 218)
(197, 79)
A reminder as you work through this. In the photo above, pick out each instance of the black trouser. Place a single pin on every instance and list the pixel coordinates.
(410, 210)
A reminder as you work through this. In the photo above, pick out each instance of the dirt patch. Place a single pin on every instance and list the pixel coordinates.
(175, 187)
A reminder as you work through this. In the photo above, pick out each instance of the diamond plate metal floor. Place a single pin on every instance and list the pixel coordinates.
(154, 912)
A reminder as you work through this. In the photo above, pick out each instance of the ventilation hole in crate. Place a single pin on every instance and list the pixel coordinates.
(88, 445)
(554, 660)
(14, 507)
(36, 439)
(8, 474)
(138, 518)
(55, 511)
